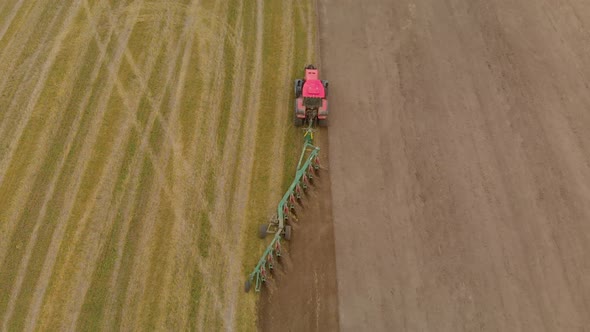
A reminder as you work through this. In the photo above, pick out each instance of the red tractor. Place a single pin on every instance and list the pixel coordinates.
(311, 99)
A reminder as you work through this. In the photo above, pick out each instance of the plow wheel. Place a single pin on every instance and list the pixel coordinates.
(247, 285)
(297, 122)
(288, 231)
(298, 192)
(262, 231)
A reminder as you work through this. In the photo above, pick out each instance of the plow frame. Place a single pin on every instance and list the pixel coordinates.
(307, 166)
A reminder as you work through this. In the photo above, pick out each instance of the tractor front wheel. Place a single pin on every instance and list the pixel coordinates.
(298, 87)
(323, 122)
(325, 84)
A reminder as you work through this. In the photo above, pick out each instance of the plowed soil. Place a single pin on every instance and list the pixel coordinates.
(302, 296)
(459, 160)
(459, 165)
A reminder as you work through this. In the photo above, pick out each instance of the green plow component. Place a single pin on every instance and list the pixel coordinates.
(306, 168)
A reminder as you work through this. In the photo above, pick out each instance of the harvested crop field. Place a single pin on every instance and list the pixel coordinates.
(142, 142)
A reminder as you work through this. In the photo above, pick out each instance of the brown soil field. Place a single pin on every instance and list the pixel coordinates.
(459, 168)
(460, 163)
(302, 296)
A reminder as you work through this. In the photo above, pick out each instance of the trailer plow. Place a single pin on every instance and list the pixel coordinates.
(307, 167)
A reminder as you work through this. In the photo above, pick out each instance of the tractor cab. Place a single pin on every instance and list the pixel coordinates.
(311, 103)
(312, 86)
(313, 89)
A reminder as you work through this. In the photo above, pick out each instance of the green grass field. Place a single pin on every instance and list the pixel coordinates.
(141, 144)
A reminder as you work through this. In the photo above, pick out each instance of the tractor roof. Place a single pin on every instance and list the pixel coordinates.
(313, 87)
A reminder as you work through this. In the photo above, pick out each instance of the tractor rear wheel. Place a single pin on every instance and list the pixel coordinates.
(288, 233)
(323, 123)
(297, 122)
(262, 231)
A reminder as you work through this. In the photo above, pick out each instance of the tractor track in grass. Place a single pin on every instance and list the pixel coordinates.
(179, 218)
(228, 158)
(242, 173)
(11, 16)
(18, 281)
(231, 212)
(83, 157)
(9, 129)
(201, 264)
(105, 223)
(58, 234)
(13, 213)
(282, 119)
(208, 160)
(73, 69)
(8, 59)
(57, 240)
(143, 83)
(99, 186)
(154, 159)
(178, 184)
